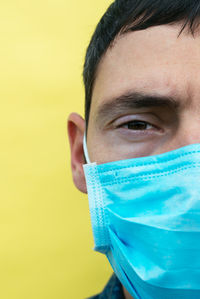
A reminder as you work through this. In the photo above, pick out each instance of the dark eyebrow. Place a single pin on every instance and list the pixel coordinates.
(133, 100)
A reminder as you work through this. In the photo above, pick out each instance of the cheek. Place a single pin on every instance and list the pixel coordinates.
(136, 150)
(103, 149)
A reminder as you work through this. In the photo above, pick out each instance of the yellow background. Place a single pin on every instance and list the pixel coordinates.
(45, 234)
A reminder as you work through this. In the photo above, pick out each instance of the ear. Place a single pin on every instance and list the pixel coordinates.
(76, 129)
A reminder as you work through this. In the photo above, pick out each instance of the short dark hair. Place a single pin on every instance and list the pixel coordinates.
(123, 16)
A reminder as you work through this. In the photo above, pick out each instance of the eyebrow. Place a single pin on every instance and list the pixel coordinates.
(133, 100)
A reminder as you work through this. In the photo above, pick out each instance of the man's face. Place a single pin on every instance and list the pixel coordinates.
(146, 98)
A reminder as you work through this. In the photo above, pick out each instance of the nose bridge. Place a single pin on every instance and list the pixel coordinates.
(188, 131)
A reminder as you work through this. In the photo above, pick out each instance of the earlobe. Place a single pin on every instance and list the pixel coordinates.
(76, 129)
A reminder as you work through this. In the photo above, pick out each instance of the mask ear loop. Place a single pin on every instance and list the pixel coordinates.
(85, 149)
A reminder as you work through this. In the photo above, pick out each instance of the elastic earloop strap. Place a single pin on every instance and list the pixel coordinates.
(85, 149)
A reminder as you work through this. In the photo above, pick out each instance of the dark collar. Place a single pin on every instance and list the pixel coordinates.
(113, 290)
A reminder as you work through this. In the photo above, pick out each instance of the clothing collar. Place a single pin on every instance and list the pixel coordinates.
(113, 289)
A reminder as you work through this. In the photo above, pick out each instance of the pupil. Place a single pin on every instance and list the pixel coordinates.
(137, 125)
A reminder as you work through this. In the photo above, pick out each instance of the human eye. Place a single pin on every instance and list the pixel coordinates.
(137, 125)
(140, 124)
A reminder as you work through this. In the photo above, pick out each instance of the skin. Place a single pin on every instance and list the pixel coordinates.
(154, 63)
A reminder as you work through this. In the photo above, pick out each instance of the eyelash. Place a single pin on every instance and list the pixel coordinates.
(147, 125)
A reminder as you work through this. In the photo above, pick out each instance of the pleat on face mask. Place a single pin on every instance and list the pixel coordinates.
(145, 215)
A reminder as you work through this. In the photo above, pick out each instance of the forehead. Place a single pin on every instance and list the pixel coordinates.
(154, 60)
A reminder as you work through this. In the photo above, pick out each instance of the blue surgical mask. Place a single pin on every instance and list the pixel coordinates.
(145, 216)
